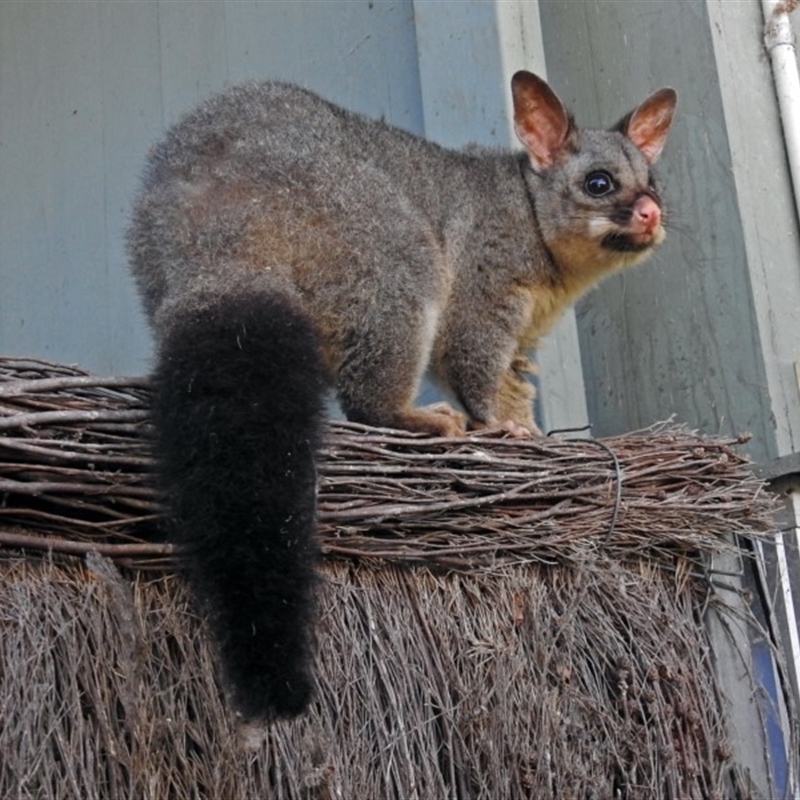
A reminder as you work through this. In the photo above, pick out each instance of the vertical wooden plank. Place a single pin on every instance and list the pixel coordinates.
(562, 390)
(17, 82)
(73, 77)
(727, 622)
(767, 205)
(192, 53)
(461, 72)
(51, 228)
(132, 118)
(359, 54)
(677, 335)
(467, 54)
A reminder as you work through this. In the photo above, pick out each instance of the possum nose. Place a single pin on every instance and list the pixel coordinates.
(646, 215)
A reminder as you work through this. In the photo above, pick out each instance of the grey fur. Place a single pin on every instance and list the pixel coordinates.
(405, 254)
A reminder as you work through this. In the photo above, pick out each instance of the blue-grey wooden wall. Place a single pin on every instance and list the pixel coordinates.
(86, 87)
(708, 330)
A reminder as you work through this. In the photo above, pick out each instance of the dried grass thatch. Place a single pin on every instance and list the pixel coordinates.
(498, 618)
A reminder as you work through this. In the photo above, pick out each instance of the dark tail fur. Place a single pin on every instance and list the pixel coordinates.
(238, 407)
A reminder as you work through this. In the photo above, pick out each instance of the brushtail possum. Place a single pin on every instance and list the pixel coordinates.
(283, 245)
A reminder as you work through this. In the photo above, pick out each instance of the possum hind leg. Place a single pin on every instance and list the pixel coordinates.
(381, 371)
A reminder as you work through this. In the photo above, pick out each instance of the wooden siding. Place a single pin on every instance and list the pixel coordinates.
(86, 87)
(708, 329)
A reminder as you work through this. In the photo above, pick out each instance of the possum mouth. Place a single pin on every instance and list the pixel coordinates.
(627, 243)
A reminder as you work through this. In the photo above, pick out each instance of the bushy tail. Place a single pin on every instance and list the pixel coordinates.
(238, 406)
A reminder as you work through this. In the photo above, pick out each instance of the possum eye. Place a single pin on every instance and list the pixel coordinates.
(598, 184)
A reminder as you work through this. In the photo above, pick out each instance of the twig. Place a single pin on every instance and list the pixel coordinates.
(71, 547)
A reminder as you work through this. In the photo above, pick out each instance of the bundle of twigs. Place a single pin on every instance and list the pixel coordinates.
(562, 653)
(534, 682)
(75, 462)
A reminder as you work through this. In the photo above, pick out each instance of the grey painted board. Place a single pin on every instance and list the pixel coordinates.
(131, 96)
(192, 54)
(86, 87)
(361, 54)
(468, 52)
(464, 91)
(53, 221)
(678, 335)
(768, 208)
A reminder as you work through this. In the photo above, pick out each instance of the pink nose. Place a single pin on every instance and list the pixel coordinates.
(646, 215)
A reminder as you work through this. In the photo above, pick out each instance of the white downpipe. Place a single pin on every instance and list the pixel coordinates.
(779, 40)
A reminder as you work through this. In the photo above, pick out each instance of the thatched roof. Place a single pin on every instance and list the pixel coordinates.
(498, 618)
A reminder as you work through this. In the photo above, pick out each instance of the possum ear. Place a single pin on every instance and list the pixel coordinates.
(647, 125)
(542, 123)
